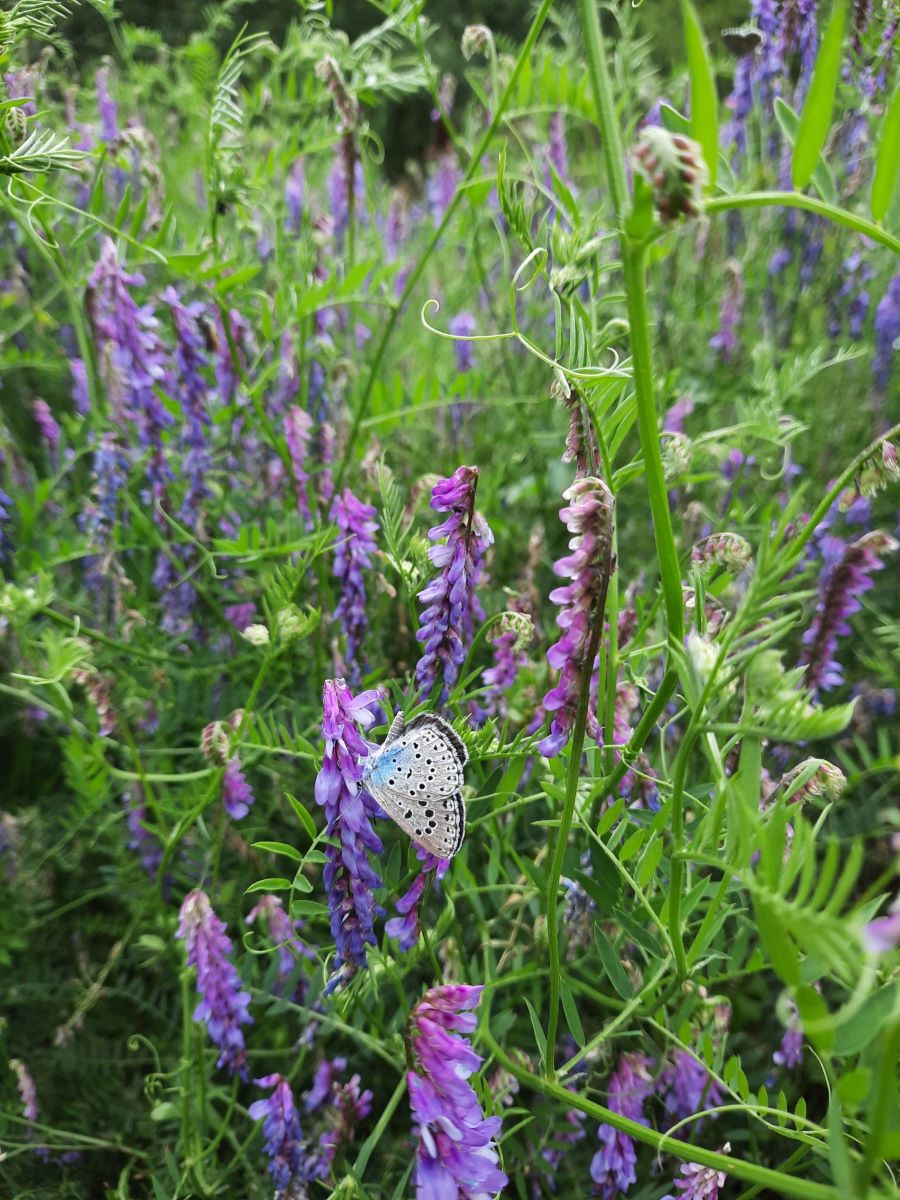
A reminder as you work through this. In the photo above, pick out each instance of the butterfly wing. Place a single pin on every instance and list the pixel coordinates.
(743, 41)
(416, 778)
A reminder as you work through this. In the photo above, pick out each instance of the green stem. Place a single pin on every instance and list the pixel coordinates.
(883, 1090)
(810, 204)
(777, 1181)
(416, 274)
(607, 119)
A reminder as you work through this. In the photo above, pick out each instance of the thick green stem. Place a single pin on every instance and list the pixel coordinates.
(777, 1181)
(417, 271)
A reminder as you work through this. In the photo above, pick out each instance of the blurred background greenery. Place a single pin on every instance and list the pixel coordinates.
(403, 126)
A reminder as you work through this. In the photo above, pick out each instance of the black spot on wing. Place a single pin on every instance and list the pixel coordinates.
(432, 720)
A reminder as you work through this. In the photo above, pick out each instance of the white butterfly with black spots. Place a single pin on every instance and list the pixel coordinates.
(416, 776)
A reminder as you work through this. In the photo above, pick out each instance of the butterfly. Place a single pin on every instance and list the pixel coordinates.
(743, 41)
(416, 776)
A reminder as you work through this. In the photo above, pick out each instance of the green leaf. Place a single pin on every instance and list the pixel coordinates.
(815, 120)
(887, 161)
(276, 883)
(539, 1036)
(309, 908)
(301, 883)
(611, 964)
(303, 816)
(868, 1020)
(570, 1008)
(279, 848)
(704, 100)
(822, 177)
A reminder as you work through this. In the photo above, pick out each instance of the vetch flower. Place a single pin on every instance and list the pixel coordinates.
(237, 795)
(841, 585)
(820, 778)
(728, 550)
(887, 334)
(143, 843)
(293, 197)
(688, 1087)
(514, 631)
(223, 1005)
(883, 934)
(674, 169)
(457, 1154)
(790, 1053)
(405, 928)
(283, 932)
(46, 423)
(353, 552)
(348, 877)
(28, 1096)
(698, 1183)
(588, 517)
(447, 622)
(613, 1166)
(283, 1133)
(297, 430)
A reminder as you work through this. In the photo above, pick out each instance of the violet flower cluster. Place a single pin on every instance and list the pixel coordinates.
(452, 606)
(697, 1183)
(887, 331)
(588, 517)
(457, 1152)
(405, 927)
(140, 840)
(353, 552)
(841, 585)
(613, 1166)
(282, 1132)
(688, 1088)
(223, 1005)
(297, 430)
(283, 933)
(348, 877)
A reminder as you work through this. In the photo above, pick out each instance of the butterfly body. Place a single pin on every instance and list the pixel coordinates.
(416, 777)
(743, 41)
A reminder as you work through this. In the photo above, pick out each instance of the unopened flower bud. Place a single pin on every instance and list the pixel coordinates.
(676, 455)
(256, 635)
(881, 470)
(673, 166)
(475, 38)
(15, 125)
(329, 72)
(824, 779)
(728, 550)
(214, 743)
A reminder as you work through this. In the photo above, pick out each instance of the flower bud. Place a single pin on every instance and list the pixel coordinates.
(673, 166)
(256, 635)
(728, 550)
(214, 743)
(824, 779)
(475, 38)
(15, 125)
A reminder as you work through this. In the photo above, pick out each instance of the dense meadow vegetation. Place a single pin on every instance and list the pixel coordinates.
(578, 434)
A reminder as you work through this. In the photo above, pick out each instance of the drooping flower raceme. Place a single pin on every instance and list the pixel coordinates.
(457, 1155)
(223, 1005)
(842, 584)
(447, 622)
(613, 1166)
(348, 877)
(588, 517)
(688, 1087)
(405, 928)
(353, 552)
(283, 1133)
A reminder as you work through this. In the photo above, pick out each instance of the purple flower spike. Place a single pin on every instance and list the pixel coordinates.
(612, 1167)
(107, 107)
(887, 331)
(293, 197)
(297, 430)
(353, 554)
(223, 1005)
(463, 325)
(457, 1153)
(447, 622)
(282, 932)
(140, 840)
(842, 583)
(588, 517)
(348, 877)
(237, 795)
(47, 426)
(282, 1131)
(698, 1183)
(405, 928)
(688, 1086)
